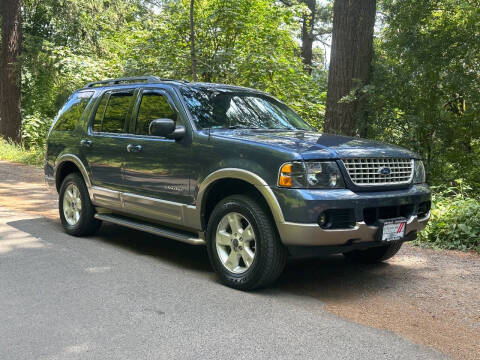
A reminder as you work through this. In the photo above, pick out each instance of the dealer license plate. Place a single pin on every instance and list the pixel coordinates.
(393, 230)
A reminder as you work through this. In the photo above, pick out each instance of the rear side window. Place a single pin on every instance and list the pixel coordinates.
(70, 113)
(112, 112)
(97, 122)
(154, 105)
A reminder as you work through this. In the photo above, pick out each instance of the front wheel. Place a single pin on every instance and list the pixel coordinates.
(76, 211)
(375, 254)
(243, 245)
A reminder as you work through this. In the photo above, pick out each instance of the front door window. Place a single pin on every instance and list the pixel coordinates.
(154, 105)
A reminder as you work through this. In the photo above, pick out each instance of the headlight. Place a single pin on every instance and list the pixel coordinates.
(313, 175)
(419, 176)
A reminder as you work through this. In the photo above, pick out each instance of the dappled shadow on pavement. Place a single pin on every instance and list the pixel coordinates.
(23, 188)
(137, 242)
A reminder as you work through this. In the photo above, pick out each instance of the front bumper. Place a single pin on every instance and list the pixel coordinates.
(293, 234)
(301, 208)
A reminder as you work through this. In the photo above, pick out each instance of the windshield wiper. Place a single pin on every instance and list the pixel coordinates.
(233, 127)
(241, 127)
(238, 127)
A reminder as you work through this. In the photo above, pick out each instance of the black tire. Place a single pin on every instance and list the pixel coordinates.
(375, 254)
(87, 224)
(270, 254)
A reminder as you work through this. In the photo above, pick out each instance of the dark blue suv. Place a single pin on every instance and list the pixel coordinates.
(233, 169)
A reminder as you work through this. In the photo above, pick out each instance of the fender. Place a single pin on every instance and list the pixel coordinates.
(76, 160)
(247, 176)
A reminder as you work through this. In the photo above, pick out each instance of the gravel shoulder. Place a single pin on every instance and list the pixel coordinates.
(430, 297)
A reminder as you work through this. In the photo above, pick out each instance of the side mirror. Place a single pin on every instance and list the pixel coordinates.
(178, 133)
(161, 127)
(166, 128)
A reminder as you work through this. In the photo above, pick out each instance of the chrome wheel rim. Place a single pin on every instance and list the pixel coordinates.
(235, 243)
(72, 204)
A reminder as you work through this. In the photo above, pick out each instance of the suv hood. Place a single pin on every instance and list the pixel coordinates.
(312, 145)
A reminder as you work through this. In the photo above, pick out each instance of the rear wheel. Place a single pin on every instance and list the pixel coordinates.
(375, 254)
(76, 210)
(243, 245)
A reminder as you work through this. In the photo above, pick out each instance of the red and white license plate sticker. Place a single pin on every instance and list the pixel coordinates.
(393, 230)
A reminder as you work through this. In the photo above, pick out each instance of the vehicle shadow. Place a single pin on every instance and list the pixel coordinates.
(328, 278)
(183, 255)
(332, 278)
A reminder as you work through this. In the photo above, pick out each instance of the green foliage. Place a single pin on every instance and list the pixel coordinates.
(244, 42)
(35, 129)
(455, 221)
(425, 96)
(17, 153)
(63, 49)
(426, 88)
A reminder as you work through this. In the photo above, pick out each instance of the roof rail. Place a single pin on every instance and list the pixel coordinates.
(128, 80)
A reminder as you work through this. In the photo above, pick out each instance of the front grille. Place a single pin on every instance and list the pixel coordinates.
(372, 171)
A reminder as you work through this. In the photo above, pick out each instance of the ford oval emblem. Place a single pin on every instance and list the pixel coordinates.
(385, 171)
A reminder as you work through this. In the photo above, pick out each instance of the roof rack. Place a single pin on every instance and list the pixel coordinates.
(129, 80)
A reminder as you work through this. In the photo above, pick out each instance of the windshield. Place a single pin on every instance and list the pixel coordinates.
(214, 108)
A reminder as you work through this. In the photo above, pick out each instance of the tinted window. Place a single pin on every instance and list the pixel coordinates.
(97, 122)
(70, 113)
(153, 106)
(112, 112)
(224, 108)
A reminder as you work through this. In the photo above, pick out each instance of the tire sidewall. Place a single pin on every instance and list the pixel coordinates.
(78, 182)
(228, 205)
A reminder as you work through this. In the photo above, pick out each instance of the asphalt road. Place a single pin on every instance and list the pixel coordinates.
(124, 294)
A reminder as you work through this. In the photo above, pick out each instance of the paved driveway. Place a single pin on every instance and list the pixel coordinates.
(127, 295)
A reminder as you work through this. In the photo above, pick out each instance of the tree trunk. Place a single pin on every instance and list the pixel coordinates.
(308, 25)
(193, 54)
(350, 66)
(10, 72)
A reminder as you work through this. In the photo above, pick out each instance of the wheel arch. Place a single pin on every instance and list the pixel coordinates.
(230, 181)
(67, 164)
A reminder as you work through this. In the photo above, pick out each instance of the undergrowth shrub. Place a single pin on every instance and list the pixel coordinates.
(10, 151)
(455, 220)
(34, 130)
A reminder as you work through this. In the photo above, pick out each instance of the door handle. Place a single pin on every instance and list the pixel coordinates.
(134, 148)
(86, 143)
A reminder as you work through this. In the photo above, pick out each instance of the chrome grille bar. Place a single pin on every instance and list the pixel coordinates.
(379, 171)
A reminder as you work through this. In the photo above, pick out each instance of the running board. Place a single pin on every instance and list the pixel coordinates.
(152, 229)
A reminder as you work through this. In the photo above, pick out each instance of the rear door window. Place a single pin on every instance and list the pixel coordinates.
(70, 113)
(113, 112)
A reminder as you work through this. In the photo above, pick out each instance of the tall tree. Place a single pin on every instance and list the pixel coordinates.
(10, 73)
(315, 25)
(350, 66)
(308, 25)
(193, 54)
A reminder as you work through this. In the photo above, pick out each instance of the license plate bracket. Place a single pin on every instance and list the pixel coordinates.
(392, 229)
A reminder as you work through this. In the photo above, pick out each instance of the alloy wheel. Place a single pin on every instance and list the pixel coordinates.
(235, 243)
(72, 204)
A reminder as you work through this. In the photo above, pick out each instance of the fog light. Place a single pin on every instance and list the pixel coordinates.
(322, 219)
